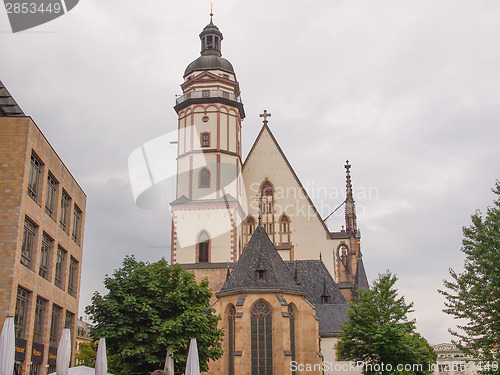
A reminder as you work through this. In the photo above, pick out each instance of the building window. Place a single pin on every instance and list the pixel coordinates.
(28, 243)
(45, 255)
(21, 312)
(203, 247)
(444, 368)
(65, 207)
(60, 263)
(204, 178)
(205, 139)
(231, 338)
(35, 369)
(72, 277)
(77, 225)
(250, 225)
(225, 94)
(54, 325)
(262, 339)
(291, 313)
(50, 202)
(285, 228)
(69, 321)
(34, 177)
(226, 76)
(205, 93)
(39, 319)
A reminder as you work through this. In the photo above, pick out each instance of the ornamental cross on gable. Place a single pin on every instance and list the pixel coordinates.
(265, 115)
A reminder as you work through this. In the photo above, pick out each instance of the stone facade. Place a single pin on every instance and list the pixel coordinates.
(41, 250)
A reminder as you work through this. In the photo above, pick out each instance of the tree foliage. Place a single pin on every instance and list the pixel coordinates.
(150, 307)
(474, 294)
(86, 354)
(378, 331)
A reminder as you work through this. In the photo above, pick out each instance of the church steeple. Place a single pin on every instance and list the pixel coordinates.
(211, 39)
(350, 209)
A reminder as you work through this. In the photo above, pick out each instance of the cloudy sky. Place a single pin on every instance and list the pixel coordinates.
(407, 90)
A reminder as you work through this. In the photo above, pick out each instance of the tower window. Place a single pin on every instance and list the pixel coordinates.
(226, 76)
(225, 94)
(205, 139)
(203, 247)
(205, 93)
(250, 225)
(204, 178)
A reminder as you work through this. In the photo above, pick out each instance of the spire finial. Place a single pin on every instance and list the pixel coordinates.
(265, 115)
(211, 11)
(350, 210)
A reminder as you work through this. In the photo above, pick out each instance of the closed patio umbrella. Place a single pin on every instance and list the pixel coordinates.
(169, 362)
(101, 361)
(64, 353)
(7, 346)
(193, 361)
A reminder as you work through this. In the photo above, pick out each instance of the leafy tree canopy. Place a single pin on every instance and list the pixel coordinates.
(379, 333)
(150, 307)
(474, 294)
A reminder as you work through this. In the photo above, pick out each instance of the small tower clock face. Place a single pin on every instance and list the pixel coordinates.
(205, 119)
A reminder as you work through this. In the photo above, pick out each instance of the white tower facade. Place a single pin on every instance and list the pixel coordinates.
(208, 211)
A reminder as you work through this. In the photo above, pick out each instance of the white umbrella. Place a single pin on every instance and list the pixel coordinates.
(7, 346)
(193, 361)
(64, 353)
(101, 362)
(80, 370)
(169, 362)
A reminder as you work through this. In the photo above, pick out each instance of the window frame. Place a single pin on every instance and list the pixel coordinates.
(76, 233)
(28, 244)
(21, 313)
(55, 323)
(73, 276)
(35, 173)
(51, 196)
(65, 211)
(205, 139)
(202, 177)
(261, 342)
(60, 266)
(40, 309)
(45, 256)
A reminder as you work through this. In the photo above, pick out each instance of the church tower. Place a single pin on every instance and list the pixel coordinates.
(207, 212)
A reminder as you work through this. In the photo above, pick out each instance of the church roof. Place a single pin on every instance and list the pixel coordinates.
(331, 318)
(260, 269)
(360, 281)
(209, 62)
(8, 106)
(315, 280)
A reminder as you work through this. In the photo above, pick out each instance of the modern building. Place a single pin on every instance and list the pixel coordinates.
(282, 279)
(42, 215)
(452, 361)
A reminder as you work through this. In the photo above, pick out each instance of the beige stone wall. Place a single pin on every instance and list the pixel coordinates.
(18, 138)
(308, 234)
(307, 343)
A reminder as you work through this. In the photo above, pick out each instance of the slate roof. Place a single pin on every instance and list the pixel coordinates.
(224, 199)
(315, 280)
(8, 106)
(360, 281)
(260, 254)
(331, 318)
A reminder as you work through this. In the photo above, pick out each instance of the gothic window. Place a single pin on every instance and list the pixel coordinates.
(250, 225)
(291, 313)
(231, 338)
(205, 139)
(285, 228)
(343, 254)
(204, 178)
(203, 247)
(261, 339)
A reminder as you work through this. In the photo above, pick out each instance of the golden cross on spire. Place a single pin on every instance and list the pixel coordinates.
(265, 115)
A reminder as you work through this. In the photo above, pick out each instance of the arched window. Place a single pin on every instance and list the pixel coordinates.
(203, 247)
(291, 313)
(250, 225)
(285, 228)
(204, 180)
(262, 338)
(267, 207)
(231, 335)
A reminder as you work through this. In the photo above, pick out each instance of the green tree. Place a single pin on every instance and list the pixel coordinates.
(150, 307)
(474, 294)
(378, 332)
(86, 354)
